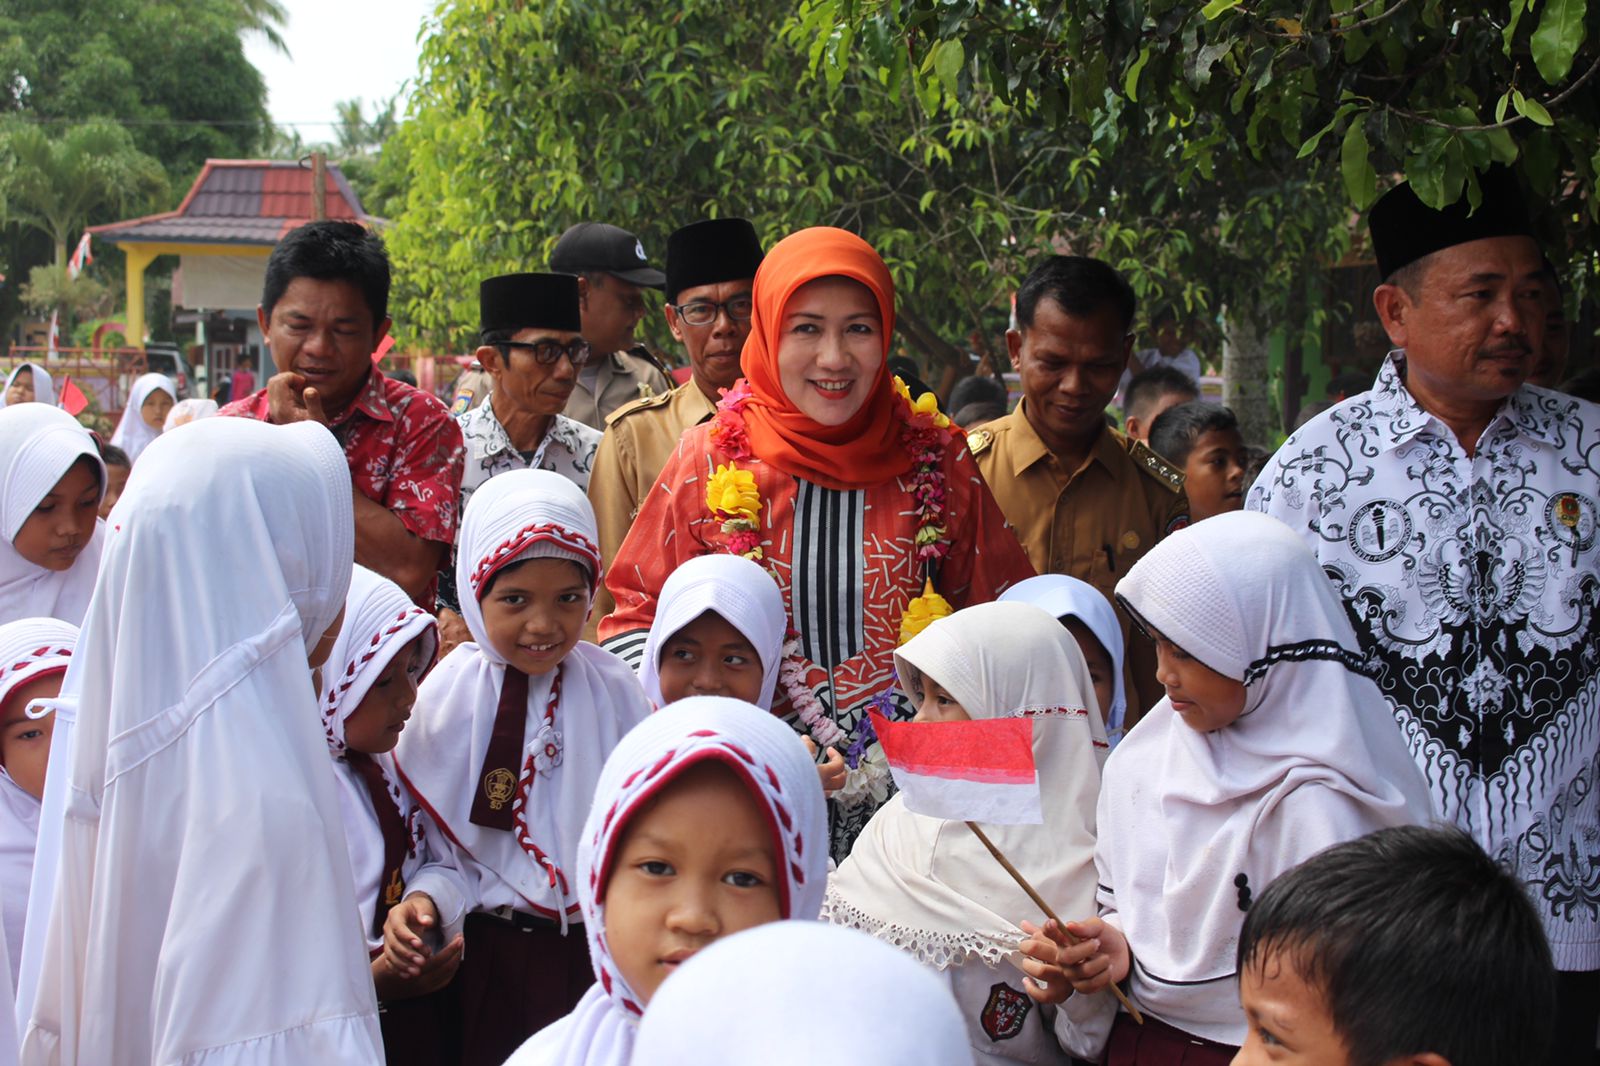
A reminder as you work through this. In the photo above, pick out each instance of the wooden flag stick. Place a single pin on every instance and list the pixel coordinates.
(1016, 875)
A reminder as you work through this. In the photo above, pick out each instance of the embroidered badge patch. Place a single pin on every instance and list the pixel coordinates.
(1005, 1012)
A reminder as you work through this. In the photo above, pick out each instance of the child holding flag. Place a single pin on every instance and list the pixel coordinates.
(1271, 746)
(929, 886)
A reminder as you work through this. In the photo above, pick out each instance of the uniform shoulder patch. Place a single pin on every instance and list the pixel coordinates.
(1151, 463)
(1004, 1013)
(644, 403)
(979, 440)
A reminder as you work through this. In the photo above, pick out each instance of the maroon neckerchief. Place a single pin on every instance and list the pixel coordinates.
(396, 838)
(502, 762)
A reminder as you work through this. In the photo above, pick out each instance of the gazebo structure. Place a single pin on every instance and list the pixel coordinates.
(224, 230)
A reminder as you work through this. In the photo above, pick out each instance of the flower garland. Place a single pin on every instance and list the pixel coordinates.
(734, 499)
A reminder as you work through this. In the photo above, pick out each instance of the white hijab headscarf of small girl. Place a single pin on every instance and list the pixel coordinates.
(772, 762)
(760, 984)
(44, 386)
(379, 621)
(734, 587)
(928, 886)
(38, 445)
(133, 434)
(1314, 760)
(1068, 597)
(521, 514)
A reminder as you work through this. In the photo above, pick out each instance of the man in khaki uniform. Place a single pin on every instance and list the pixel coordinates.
(615, 273)
(711, 269)
(1083, 499)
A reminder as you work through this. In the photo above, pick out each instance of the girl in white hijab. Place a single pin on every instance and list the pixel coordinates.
(1092, 621)
(51, 481)
(1271, 745)
(145, 416)
(29, 383)
(202, 911)
(928, 886)
(783, 803)
(725, 591)
(763, 996)
(505, 747)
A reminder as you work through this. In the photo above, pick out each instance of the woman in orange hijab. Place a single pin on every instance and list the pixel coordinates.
(866, 508)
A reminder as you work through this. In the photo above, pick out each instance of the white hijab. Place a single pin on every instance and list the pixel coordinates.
(769, 757)
(202, 907)
(768, 994)
(44, 386)
(379, 621)
(185, 411)
(38, 445)
(736, 588)
(928, 886)
(133, 435)
(1314, 760)
(1067, 597)
(441, 752)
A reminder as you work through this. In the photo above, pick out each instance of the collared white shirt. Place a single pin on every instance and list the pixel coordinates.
(1474, 584)
(567, 448)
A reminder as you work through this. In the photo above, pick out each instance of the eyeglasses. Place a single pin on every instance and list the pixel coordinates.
(546, 352)
(704, 312)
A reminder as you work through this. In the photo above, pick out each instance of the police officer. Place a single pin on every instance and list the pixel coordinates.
(615, 273)
(1083, 499)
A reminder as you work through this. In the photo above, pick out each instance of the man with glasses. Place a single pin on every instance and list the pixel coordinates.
(615, 274)
(711, 269)
(530, 345)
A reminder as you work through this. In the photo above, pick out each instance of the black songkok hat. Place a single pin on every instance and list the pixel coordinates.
(704, 253)
(1404, 229)
(529, 301)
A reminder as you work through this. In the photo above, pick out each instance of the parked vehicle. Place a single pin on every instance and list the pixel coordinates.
(162, 357)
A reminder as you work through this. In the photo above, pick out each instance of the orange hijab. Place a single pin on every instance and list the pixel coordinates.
(864, 451)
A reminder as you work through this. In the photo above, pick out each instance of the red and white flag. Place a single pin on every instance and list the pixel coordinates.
(80, 258)
(73, 401)
(53, 343)
(975, 771)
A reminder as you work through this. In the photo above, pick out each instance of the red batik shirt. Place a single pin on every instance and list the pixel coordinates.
(405, 453)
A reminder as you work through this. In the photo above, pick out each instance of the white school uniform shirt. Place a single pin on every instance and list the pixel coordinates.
(202, 910)
(1472, 585)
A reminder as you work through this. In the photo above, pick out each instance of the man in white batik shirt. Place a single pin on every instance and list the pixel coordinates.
(1455, 509)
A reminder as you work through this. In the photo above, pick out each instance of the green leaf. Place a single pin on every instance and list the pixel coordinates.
(1360, 180)
(1509, 34)
(948, 59)
(1500, 107)
(1217, 7)
(1130, 84)
(1559, 36)
(927, 199)
(1532, 110)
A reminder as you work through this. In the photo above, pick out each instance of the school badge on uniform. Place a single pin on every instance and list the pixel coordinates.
(499, 786)
(1005, 1012)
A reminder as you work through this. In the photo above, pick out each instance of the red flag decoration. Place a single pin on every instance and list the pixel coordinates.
(975, 771)
(81, 257)
(383, 347)
(73, 401)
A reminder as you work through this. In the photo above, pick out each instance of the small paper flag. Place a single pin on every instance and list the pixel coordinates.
(73, 401)
(383, 347)
(975, 771)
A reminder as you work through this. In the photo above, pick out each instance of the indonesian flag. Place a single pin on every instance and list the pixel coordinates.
(73, 401)
(54, 341)
(976, 771)
(80, 258)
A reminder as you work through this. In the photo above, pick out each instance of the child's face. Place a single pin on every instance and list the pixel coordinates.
(60, 527)
(21, 388)
(1102, 673)
(116, 481)
(1213, 475)
(934, 704)
(24, 741)
(374, 726)
(1204, 699)
(154, 409)
(709, 657)
(535, 611)
(674, 888)
(1288, 1019)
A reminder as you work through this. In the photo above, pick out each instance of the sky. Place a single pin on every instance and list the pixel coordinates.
(339, 49)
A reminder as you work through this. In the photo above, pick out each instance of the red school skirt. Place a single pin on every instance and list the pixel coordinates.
(1155, 1043)
(517, 976)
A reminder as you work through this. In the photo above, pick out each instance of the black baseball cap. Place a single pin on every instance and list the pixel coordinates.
(595, 246)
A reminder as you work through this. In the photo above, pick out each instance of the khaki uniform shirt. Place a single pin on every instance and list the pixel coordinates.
(640, 438)
(1092, 523)
(619, 378)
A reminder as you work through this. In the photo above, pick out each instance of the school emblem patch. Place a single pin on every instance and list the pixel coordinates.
(499, 785)
(1005, 1012)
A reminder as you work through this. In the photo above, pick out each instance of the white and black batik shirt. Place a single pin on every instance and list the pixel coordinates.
(1474, 585)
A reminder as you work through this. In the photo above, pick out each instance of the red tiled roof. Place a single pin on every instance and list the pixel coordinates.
(241, 201)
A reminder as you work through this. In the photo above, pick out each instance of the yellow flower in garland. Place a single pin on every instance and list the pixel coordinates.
(926, 404)
(732, 493)
(923, 611)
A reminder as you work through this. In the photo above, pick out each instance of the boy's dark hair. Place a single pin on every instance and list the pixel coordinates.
(1079, 286)
(1419, 942)
(331, 250)
(978, 412)
(111, 455)
(974, 389)
(1173, 433)
(1148, 386)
